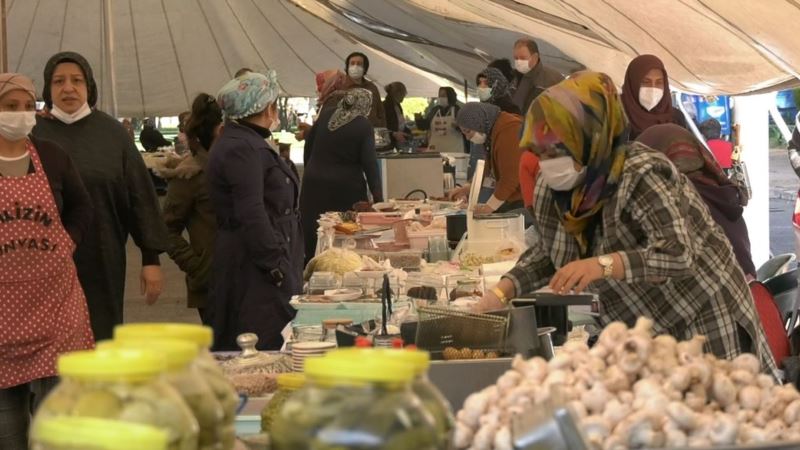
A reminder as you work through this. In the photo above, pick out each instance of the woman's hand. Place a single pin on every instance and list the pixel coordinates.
(460, 193)
(151, 283)
(483, 209)
(576, 276)
(490, 301)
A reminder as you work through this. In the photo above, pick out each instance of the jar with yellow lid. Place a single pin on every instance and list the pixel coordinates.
(353, 402)
(124, 385)
(88, 433)
(288, 384)
(183, 375)
(419, 361)
(202, 337)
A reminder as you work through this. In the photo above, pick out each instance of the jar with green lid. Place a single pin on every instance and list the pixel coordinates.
(124, 385)
(87, 433)
(288, 384)
(183, 375)
(202, 337)
(432, 398)
(350, 402)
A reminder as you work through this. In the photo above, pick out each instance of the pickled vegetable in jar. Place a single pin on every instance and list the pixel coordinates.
(432, 398)
(354, 403)
(124, 385)
(182, 374)
(288, 384)
(86, 433)
(202, 337)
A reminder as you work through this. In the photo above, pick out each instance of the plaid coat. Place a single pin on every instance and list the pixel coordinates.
(680, 269)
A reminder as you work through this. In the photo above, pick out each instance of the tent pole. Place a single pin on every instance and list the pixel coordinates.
(108, 21)
(465, 90)
(3, 37)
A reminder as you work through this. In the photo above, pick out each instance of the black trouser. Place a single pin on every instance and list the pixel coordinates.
(17, 405)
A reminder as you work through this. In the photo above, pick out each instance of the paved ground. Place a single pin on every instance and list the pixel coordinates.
(172, 305)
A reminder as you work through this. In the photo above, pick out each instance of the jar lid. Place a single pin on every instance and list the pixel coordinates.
(178, 354)
(351, 367)
(87, 432)
(291, 381)
(125, 364)
(418, 360)
(202, 336)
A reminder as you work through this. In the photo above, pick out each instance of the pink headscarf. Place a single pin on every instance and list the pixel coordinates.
(329, 82)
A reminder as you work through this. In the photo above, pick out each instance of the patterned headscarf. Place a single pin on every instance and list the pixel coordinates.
(356, 102)
(685, 152)
(497, 81)
(480, 117)
(248, 94)
(581, 117)
(329, 82)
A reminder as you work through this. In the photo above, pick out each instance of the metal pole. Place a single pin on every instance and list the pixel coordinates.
(108, 29)
(465, 90)
(4, 34)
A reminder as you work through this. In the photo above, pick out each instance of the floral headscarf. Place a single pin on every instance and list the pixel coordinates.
(356, 102)
(581, 117)
(248, 94)
(497, 81)
(329, 82)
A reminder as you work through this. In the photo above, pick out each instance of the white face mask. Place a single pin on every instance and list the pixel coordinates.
(650, 97)
(560, 174)
(484, 93)
(16, 125)
(443, 102)
(355, 72)
(68, 118)
(522, 65)
(478, 138)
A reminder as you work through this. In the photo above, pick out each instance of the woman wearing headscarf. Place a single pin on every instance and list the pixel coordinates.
(722, 197)
(329, 90)
(493, 89)
(258, 251)
(440, 121)
(646, 96)
(44, 212)
(357, 66)
(619, 219)
(343, 167)
(187, 206)
(498, 131)
(393, 109)
(124, 200)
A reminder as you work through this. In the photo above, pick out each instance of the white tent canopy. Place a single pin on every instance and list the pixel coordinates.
(152, 56)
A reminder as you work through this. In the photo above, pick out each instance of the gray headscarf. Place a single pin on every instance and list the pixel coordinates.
(497, 81)
(480, 117)
(356, 102)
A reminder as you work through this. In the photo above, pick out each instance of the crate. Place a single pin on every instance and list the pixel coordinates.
(441, 327)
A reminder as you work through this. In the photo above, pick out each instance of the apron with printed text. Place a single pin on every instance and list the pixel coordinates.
(43, 311)
(444, 135)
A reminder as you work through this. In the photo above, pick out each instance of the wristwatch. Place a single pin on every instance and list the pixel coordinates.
(607, 263)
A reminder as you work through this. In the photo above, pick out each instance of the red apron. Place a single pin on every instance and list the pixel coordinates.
(43, 310)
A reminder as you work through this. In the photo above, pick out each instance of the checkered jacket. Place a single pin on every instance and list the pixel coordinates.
(680, 269)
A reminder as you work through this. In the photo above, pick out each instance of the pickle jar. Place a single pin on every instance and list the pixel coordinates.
(288, 384)
(208, 367)
(87, 433)
(183, 375)
(121, 384)
(354, 402)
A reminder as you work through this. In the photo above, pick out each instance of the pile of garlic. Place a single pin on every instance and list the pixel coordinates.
(633, 391)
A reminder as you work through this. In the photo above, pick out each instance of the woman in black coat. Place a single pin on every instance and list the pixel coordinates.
(258, 252)
(341, 154)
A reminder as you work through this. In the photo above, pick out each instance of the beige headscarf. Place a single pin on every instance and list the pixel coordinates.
(16, 82)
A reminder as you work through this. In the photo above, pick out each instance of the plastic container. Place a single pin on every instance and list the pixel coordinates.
(86, 433)
(321, 282)
(354, 402)
(202, 337)
(405, 259)
(419, 239)
(288, 384)
(182, 374)
(429, 289)
(124, 385)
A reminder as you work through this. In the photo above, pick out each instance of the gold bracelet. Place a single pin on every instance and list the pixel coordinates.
(500, 295)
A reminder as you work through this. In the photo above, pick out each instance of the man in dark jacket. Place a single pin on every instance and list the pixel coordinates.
(151, 138)
(535, 76)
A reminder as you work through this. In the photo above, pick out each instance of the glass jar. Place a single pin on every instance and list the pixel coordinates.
(329, 328)
(352, 402)
(288, 384)
(208, 367)
(182, 374)
(86, 433)
(124, 385)
(321, 282)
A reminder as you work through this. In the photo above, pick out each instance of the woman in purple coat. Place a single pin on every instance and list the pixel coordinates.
(258, 253)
